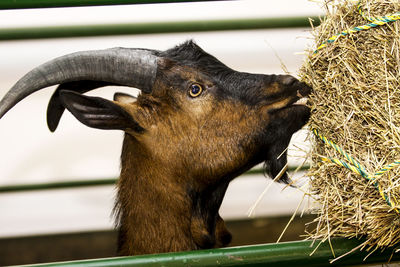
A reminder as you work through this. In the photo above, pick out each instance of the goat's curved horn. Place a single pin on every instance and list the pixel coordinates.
(124, 66)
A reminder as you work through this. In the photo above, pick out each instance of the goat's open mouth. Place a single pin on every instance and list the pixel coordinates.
(292, 102)
(301, 98)
(301, 102)
(294, 105)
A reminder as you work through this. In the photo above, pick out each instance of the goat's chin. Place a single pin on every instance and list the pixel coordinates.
(273, 168)
(286, 122)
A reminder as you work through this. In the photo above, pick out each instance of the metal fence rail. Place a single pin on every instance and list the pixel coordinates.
(152, 28)
(282, 254)
(19, 4)
(94, 182)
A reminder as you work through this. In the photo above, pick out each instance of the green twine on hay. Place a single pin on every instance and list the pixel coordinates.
(357, 168)
(353, 164)
(374, 22)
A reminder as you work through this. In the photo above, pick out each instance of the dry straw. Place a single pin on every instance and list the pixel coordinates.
(355, 104)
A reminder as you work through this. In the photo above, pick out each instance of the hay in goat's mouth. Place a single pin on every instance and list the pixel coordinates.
(356, 105)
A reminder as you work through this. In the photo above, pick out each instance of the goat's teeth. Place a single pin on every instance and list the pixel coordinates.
(301, 101)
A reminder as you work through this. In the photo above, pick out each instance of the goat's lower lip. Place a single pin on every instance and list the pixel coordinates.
(301, 102)
(296, 102)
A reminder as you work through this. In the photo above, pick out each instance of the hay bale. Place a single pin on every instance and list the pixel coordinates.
(356, 104)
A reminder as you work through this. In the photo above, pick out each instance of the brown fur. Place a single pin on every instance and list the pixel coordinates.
(180, 152)
(187, 151)
(175, 174)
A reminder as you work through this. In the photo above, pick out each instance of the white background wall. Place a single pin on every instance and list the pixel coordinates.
(29, 153)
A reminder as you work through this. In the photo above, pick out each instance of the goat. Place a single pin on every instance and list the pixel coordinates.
(196, 125)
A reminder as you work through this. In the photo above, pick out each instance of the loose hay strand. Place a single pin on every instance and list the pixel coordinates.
(356, 103)
(291, 219)
(251, 211)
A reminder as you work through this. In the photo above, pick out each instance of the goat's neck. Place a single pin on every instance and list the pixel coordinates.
(207, 227)
(158, 212)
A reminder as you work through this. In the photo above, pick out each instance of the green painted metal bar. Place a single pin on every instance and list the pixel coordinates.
(282, 254)
(90, 183)
(56, 185)
(20, 4)
(152, 28)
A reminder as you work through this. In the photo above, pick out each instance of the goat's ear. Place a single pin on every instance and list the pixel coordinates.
(124, 98)
(97, 112)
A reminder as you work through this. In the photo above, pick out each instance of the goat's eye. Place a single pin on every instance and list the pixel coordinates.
(195, 90)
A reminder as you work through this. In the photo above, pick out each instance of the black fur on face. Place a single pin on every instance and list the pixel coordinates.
(231, 83)
(279, 134)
